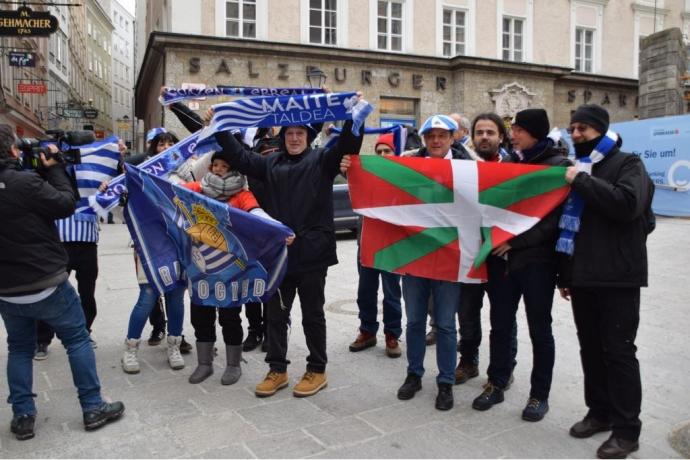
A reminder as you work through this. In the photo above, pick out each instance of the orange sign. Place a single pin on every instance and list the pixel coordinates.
(32, 88)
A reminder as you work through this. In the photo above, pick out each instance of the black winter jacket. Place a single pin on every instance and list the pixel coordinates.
(299, 193)
(457, 154)
(538, 244)
(32, 257)
(611, 246)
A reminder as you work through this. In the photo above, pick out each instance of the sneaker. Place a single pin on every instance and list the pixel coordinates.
(41, 352)
(311, 383)
(185, 347)
(431, 338)
(273, 382)
(156, 337)
(413, 383)
(535, 410)
(392, 346)
(105, 413)
(490, 396)
(444, 398)
(363, 341)
(130, 363)
(252, 341)
(23, 426)
(174, 357)
(464, 372)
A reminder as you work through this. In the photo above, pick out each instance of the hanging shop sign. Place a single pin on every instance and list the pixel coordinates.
(25, 22)
(22, 59)
(32, 88)
(90, 113)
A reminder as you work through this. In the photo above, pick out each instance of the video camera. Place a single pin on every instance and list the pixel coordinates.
(67, 142)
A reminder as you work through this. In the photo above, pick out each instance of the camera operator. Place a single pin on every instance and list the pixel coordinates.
(34, 285)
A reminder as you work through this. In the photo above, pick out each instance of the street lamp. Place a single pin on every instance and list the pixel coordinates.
(315, 77)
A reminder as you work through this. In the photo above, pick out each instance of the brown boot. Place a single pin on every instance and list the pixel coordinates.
(464, 372)
(363, 341)
(273, 382)
(311, 383)
(392, 346)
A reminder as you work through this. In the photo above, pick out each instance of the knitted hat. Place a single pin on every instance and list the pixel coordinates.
(153, 133)
(439, 121)
(221, 156)
(593, 115)
(534, 121)
(386, 139)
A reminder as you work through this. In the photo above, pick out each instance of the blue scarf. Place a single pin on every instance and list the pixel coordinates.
(572, 212)
(171, 95)
(282, 111)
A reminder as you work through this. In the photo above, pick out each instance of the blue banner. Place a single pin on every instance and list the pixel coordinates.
(171, 95)
(229, 256)
(160, 165)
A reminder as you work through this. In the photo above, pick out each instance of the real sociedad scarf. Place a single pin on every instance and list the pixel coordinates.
(283, 111)
(572, 212)
(159, 165)
(399, 136)
(171, 95)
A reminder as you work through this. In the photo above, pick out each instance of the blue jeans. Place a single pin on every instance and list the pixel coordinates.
(367, 300)
(63, 313)
(535, 283)
(446, 298)
(147, 301)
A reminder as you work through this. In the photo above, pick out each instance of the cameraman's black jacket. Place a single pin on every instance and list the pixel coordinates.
(31, 255)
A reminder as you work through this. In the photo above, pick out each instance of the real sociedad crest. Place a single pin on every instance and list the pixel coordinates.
(210, 249)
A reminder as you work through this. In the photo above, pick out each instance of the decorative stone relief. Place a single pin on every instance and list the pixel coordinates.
(511, 98)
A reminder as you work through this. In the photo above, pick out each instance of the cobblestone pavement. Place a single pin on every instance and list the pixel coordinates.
(358, 414)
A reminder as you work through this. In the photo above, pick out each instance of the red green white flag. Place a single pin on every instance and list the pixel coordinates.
(440, 219)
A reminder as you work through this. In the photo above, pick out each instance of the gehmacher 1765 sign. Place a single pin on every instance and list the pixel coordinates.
(26, 22)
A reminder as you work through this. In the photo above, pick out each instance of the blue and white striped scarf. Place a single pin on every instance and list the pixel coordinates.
(171, 95)
(99, 162)
(282, 111)
(572, 212)
(399, 136)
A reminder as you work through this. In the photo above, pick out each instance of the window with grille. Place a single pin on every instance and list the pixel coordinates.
(323, 21)
(513, 35)
(240, 18)
(584, 50)
(390, 25)
(454, 32)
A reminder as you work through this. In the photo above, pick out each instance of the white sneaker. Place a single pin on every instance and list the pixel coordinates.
(130, 363)
(174, 356)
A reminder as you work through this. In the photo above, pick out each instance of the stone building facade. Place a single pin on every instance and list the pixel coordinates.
(403, 87)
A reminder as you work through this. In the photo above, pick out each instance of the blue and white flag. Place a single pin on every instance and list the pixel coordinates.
(98, 163)
(171, 95)
(160, 165)
(283, 111)
(230, 257)
(399, 136)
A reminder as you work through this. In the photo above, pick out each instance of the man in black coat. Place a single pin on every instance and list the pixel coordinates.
(298, 183)
(525, 267)
(603, 278)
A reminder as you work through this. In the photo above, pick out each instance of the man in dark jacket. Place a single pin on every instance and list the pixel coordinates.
(525, 267)
(299, 193)
(603, 277)
(34, 286)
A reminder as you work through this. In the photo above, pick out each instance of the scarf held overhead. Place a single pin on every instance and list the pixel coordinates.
(171, 95)
(282, 111)
(440, 219)
(572, 211)
(229, 257)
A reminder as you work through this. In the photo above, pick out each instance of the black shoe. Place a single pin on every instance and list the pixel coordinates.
(185, 347)
(413, 383)
(23, 426)
(535, 410)
(444, 398)
(156, 337)
(106, 413)
(252, 341)
(41, 352)
(589, 426)
(490, 396)
(430, 338)
(617, 448)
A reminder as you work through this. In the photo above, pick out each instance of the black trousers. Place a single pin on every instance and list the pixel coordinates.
(310, 288)
(254, 313)
(607, 321)
(83, 259)
(204, 323)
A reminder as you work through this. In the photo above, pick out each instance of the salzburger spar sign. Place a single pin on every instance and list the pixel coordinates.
(26, 22)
